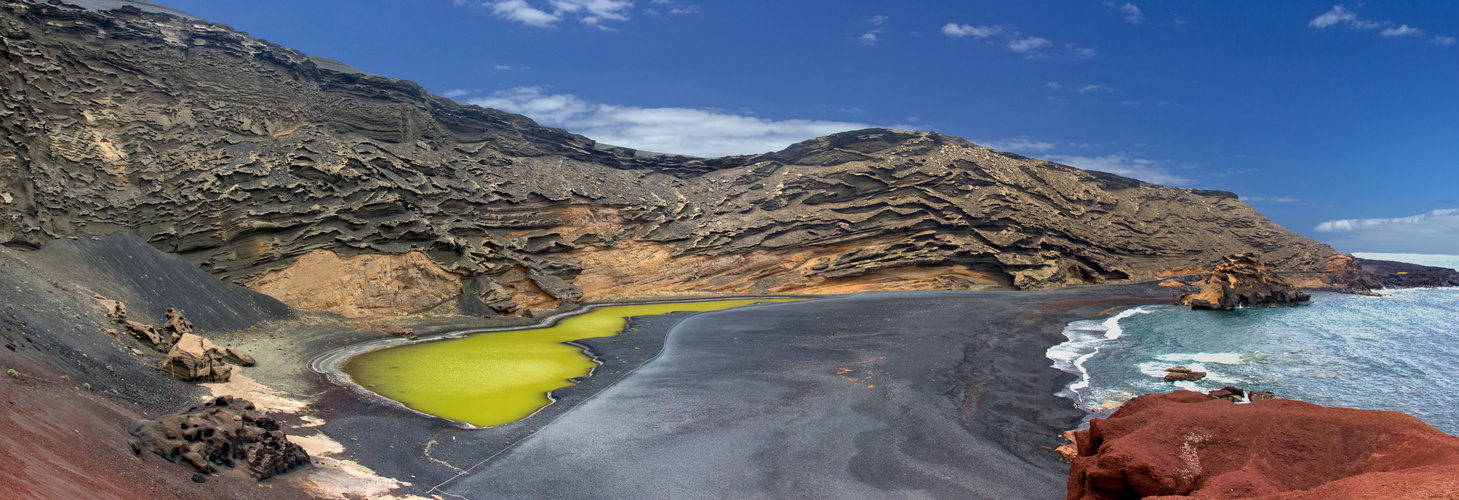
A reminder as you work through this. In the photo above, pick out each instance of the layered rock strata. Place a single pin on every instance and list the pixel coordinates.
(258, 164)
(1242, 280)
(1192, 444)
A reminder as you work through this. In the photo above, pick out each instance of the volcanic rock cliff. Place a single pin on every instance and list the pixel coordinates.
(265, 169)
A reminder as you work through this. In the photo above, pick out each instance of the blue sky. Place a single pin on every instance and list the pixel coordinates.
(1339, 121)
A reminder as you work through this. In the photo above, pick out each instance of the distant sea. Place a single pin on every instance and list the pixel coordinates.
(1398, 351)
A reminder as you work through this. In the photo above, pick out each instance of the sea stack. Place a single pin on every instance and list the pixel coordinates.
(1242, 280)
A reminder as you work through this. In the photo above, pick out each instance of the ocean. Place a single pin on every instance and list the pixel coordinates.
(1398, 351)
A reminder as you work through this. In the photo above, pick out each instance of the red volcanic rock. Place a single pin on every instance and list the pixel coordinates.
(1188, 443)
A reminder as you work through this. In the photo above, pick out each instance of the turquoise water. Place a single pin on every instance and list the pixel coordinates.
(1399, 352)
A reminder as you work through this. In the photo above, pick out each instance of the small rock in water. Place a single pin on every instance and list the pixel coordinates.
(1178, 369)
(1255, 396)
(1186, 376)
(1232, 394)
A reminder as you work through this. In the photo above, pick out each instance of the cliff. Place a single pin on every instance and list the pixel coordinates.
(266, 169)
(1191, 444)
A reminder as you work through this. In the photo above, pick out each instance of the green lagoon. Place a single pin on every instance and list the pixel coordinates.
(494, 378)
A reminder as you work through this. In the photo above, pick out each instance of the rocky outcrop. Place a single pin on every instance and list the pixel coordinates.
(1242, 280)
(194, 358)
(248, 159)
(222, 433)
(1182, 374)
(1187, 443)
(361, 285)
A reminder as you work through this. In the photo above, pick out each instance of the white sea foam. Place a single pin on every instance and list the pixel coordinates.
(1085, 338)
(1224, 358)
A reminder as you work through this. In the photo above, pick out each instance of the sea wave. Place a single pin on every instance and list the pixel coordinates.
(1085, 339)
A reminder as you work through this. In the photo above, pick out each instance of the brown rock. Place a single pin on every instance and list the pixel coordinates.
(148, 335)
(175, 326)
(194, 358)
(361, 285)
(1185, 376)
(1228, 393)
(239, 357)
(1261, 396)
(115, 310)
(1243, 280)
(222, 433)
(1178, 369)
(1187, 443)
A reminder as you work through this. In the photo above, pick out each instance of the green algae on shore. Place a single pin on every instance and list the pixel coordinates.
(495, 378)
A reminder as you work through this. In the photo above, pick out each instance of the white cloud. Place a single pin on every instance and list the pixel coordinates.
(1027, 44)
(1343, 15)
(684, 131)
(1122, 164)
(590, 12)
(1053, 85)
(1019, 145)
(1433, 232)
(1132, 13)
(1278, 199)
(870, 38)
(454, 93)
(961, 30)
(1402, 30)
(1095, 87)
(1338, 14)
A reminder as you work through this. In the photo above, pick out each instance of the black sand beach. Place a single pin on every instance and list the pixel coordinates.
(913, 394)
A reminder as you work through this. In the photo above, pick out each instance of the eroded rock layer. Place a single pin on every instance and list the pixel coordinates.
(245, 157)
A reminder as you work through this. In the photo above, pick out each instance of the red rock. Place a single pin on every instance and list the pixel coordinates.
(1188, 443)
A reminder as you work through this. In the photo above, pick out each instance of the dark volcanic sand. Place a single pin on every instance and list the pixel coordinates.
(920, 394)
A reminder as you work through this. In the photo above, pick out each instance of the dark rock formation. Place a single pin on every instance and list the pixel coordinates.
(1187, 443)
(1243, 280)
(224, 432)
(244, 156)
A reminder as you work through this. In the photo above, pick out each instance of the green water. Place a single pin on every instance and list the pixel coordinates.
(496, 378)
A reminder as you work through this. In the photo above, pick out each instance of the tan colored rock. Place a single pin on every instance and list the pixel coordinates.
(194, 358)
(1243, 280)
(239, 357)
(175, 325)
(149, 335)
(361, 285)
(115, 310)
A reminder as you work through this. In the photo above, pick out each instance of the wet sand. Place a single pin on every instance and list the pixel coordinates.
(908, 394)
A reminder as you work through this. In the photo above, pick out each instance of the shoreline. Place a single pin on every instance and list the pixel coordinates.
(425, 450)
(330, 364)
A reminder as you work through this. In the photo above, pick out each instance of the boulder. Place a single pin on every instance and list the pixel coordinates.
(175, 326)
(223, 433)
(1243, 280)
(1255, 396)
(148, 335)
(1185, 376)
(1188, 443)
(1232, 394)
(239, 357)
(194, 358)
